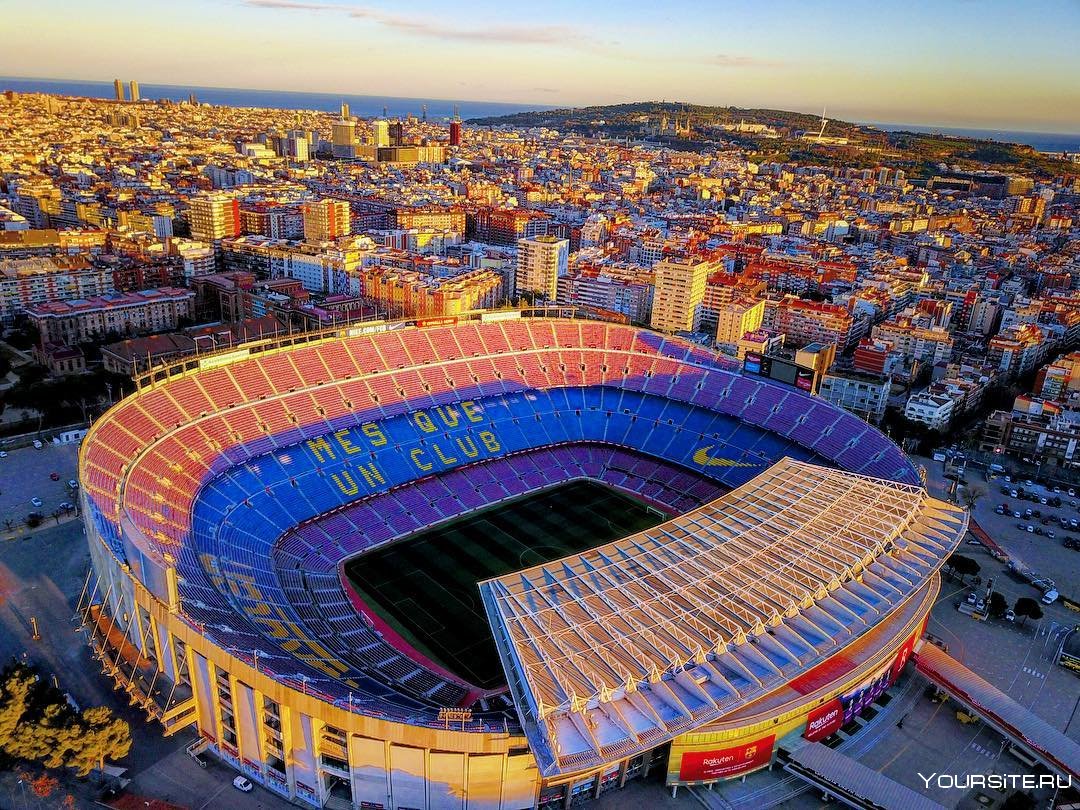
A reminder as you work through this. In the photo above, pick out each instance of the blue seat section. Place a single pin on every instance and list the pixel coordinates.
(260, 548)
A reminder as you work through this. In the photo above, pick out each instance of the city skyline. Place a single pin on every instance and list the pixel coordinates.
(947, 67)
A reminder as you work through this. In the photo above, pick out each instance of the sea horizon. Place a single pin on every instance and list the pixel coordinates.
(1041, 141)
(369, 106)
(365, 106)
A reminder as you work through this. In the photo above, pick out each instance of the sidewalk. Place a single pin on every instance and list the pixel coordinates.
(21, 531)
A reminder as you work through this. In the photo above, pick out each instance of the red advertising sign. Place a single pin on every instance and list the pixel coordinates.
(824, 720)
(902, 657)
(700, 766)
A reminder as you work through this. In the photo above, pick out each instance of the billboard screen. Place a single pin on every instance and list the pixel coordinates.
(780, 370)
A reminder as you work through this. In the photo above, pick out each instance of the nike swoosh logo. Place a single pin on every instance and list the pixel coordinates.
(703, 459)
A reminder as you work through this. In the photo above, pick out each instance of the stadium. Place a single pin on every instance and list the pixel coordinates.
(499, 561)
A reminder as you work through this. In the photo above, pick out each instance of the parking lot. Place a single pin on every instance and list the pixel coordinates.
(25, 474)
(1047, 555)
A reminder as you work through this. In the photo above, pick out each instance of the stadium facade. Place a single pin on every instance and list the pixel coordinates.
(786, 588)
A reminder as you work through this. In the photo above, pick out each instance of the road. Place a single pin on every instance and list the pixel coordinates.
(42, 574)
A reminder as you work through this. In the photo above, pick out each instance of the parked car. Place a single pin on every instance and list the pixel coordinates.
(1031, 529)
(998, 510)
(1074, 523)
(1038, 530)
(242, 784)
(54, 476)
(73, 484)
(1051, 533)
(972, 598)
(3, 453)
(1010, 615)
(66, 506)
(36, 502)
(1057, 490)
(37, 444)
(1071, 493)
(1017, 514)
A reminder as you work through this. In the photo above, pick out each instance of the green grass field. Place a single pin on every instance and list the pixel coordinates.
(424, 586)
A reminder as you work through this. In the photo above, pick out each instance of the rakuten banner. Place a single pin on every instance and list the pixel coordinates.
(824, 720)
(701, 766)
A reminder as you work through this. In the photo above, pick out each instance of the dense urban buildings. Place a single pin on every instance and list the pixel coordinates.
(602, 332)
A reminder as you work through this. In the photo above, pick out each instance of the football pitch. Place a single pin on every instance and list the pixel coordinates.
(424, 586)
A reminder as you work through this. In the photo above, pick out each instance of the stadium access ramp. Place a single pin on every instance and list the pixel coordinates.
(853, 783)
(1055, 750)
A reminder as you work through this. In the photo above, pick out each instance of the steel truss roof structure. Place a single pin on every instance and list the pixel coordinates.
(619, 648)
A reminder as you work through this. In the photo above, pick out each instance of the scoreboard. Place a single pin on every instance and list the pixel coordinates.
(780, 370)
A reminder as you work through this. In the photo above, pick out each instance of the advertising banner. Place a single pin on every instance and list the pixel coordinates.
(824, 720)
(701, 766)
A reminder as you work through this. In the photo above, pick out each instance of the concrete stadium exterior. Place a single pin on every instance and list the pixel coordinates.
(210, 623)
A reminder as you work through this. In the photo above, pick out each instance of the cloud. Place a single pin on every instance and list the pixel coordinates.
(547, 89)
(736, 61)
(292, 5)
(423, 27)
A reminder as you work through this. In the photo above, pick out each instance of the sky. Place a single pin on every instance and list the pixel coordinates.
(959, 63)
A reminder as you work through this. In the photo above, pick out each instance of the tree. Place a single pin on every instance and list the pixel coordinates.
(1028, 608)
(38, 725)
(998, 605)
(964, 566)
(972, 494)
(100, 736)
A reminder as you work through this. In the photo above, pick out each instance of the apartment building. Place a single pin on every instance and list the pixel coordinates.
(805, 322)
(412, 293)
(862, 394)
(933, 410)
(541, 262)
(1059, 379)
(924, 343)
(1035, 431)
(678, 294)
(326, 220)
(87, 319)
(1018, 350)
(737, 318)
(628, 291)
(213, 217)
(39, 280)
(322, 268)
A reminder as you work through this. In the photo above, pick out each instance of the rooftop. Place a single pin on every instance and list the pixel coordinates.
(647, 637)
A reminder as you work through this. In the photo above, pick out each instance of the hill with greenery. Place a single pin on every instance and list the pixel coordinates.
(919, 154)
